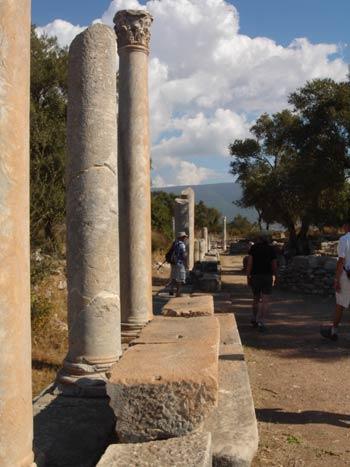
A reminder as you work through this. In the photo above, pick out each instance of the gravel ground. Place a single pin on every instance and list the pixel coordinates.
(300, 382)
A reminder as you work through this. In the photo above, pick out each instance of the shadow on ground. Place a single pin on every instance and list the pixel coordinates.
(293, 324)
(277, 415)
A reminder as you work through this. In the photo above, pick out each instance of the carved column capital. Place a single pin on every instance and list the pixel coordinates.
(133, 28)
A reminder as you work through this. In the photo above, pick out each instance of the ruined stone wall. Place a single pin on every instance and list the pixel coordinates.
(308, 274)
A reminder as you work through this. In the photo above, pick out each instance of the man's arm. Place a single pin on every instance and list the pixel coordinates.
(338, 272)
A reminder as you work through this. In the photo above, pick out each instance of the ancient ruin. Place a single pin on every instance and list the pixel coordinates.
(181, 384)
(133, 29)
(92, 213)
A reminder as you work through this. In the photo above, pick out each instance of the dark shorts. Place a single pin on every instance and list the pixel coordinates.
(261, 284)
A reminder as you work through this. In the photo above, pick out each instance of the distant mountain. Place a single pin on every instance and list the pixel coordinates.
(219, 196)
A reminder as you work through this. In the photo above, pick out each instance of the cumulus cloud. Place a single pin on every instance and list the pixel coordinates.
(63, 30)
(208, 82)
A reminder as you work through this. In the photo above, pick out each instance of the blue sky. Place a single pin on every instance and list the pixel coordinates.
(214, 70)
(281, 20)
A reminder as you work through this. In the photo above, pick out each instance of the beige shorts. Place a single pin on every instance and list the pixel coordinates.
(343, 297)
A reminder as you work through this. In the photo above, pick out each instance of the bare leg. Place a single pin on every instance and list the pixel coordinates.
(337, 317)
(256, 300)
(263, 307)
(178, 285)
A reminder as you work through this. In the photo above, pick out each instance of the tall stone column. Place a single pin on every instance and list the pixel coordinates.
(205, 237)
(196, 250)
(182, 218)
(133, 34)
(92, 213)
(16, 417)
(224, 234)
(202, 249)
(188, 194)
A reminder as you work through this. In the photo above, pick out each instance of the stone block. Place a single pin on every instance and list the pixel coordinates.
(202, 305)
(164, 330)
(233, 422)
(159, 391)
(210, 283)
(193, 450)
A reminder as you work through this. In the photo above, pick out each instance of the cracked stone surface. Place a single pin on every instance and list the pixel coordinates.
(189, 306)
(159, 391)
(193, 450)
(92, 210)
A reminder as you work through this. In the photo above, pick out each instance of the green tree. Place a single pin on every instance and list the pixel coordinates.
(296, 166)
(162, 212)
(48, 102)
(240, 225)
(207, 217)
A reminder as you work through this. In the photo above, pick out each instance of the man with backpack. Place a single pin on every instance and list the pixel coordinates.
(177, 256)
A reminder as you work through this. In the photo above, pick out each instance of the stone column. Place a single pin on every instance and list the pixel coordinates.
(188, 194)
(173, 227)
(16, 417)
(205, 237)
(196, 250)
(133, 34)
(202, 249)
(182, 218)
(224, 237)
(92, 213)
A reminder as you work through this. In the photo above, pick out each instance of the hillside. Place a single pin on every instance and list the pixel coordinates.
(217, 195)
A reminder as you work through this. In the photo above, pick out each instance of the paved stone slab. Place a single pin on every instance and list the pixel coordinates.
(164, 330)
(159, 391)
(71, 431)
(202, 305)
(233, 423)
(193, 450)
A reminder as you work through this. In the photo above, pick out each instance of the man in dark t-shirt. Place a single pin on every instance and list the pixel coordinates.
(262, 266)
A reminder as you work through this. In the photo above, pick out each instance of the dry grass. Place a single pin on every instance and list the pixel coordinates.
(49, 327)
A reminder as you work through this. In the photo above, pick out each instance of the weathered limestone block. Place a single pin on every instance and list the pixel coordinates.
(16, 416)
(92, 212)
(233, 422)
(159, 391)
(210, 282)
(202, 305)
(163, 330)
(193, 450)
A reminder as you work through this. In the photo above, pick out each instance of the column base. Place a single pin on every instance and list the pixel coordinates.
(84, 379)
(130, 332)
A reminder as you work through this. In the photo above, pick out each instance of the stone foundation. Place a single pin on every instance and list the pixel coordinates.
(308, 274)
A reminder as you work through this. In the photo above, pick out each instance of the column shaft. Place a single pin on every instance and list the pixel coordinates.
(92, 213)
(134, 171)
(188, 194)
(224, 244)
(16, 418)
(205, 237)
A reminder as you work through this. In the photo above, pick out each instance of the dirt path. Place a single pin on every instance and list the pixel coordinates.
(300, 382)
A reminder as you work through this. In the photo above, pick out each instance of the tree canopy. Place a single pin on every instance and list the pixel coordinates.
(48, 102)
(294, 170)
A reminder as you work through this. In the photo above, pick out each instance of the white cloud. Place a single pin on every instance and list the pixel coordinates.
(208, 82)
(190, 174)
(64, 31)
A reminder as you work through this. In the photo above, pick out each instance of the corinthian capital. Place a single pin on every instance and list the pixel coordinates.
(133, 28)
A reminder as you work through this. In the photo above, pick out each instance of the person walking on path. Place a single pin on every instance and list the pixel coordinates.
(261, 268)
(341, 284)
(178, 264)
